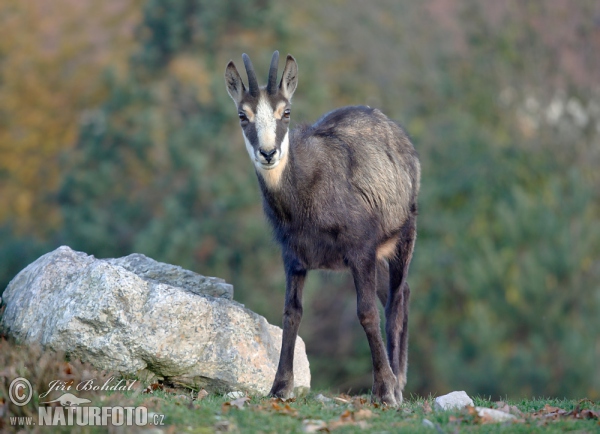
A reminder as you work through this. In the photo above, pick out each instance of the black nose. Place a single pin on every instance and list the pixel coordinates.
(268, 154)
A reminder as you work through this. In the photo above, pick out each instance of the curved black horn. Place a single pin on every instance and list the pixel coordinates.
(252, 82)
(272, 83)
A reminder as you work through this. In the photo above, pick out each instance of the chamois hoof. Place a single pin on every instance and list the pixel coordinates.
(388, 399)
(398, 396)
(388, 392)
(282, 391)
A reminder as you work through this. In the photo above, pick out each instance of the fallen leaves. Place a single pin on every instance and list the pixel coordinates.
(153, 387)
(356, 413)
(587, 414)
(510, 409)
(549, 412)
(332, 413)
(160, 386)
(504, 413)
(343, 399)
(236, 403)
(283, 408)
(554, 413)
(348, 417)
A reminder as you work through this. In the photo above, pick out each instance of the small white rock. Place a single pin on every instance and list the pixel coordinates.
(235, 394)
(494, 415)
(427, 423)
(452, 401)
(321, 398)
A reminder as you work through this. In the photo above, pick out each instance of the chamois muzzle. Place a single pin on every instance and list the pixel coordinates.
(268, 155)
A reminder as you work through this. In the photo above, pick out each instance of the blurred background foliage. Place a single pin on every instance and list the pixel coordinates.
(117, 136)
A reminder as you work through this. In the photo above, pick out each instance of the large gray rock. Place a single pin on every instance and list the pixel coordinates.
(135, 315)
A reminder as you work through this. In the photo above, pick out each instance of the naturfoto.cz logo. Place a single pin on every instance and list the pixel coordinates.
(73, 409)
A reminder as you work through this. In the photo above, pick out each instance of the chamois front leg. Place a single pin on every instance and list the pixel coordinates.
(283, 386)
(385, 382)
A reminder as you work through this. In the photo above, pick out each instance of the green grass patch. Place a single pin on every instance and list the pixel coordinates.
(185, 411)
(345, 414)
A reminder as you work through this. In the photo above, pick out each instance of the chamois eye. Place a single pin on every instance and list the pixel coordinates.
(287, 113)
(243, 117)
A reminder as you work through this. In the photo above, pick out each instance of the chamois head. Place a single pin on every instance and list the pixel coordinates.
(264, 112)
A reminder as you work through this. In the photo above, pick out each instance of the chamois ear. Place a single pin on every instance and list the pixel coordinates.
(235, 85)
(289, 79)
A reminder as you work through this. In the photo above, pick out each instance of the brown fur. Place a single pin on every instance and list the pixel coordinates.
(341, 193)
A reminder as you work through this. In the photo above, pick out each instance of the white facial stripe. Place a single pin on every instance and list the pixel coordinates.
(265, 124)
(249, 148)
(285, 145)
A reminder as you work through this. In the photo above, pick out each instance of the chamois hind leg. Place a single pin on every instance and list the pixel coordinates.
(283, 385)
(396, 308)
(383, 281)
(384, 380)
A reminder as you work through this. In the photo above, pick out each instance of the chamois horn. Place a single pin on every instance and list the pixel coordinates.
(272, 83)
(252, 81)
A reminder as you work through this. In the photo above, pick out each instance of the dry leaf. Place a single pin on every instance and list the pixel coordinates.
(68, 368)
(281, 400)
(225, 407)
(427, 407)
(290, 411)
(352, 418)
(154, 386)
(201, 395)
(341, 400)
(474, 414)
(358, 402)
(346, 416)
(363, 413)
(510, 409)
(284, 409)
(336, 424)
(239, 403)
(314, 425)
(549, 412)
(589, 414)
(454, 419)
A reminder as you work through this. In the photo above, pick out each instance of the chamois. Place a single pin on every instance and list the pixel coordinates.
(341, 193)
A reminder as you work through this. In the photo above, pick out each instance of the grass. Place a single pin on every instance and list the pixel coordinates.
(343, 414)
(184, 411)
(262, 415)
